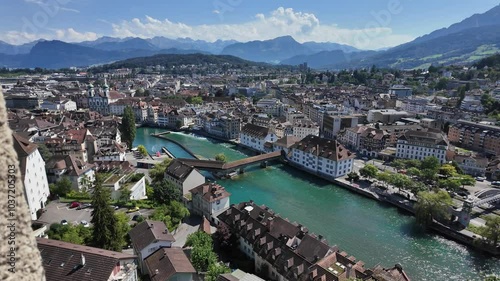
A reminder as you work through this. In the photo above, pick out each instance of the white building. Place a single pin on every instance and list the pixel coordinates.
(209, 200)
(183, 176)
(273, 107)
(322, 156)
(80, 173)
(386, 116)
(420, 144)
(61, 105)
(110, 152)
(255, 137)
(32, 166)
(304, 129)
(149, 236)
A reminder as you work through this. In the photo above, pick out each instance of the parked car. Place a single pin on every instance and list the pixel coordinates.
(115, 207)
(480, 178)
(132, 210)
(64, 222)
(495, 183)
(84, 206)
(74, 205)
(85, 223)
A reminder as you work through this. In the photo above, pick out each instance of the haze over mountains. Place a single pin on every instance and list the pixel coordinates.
(464, 42)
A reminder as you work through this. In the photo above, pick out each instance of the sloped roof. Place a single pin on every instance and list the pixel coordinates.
(179, 170)
(23, 146)
(148, 232)
(255, 131)
(325, 148)
(166, 262)
(62, 261)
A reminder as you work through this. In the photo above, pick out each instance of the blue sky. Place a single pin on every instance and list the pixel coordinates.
(368, 24)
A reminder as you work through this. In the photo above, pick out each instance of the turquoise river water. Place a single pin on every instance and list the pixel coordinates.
(371, 231)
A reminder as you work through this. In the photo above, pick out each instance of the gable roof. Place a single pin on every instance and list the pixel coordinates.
(325, 148)
(23, 146)
(210, 191)
(73, 166)
(148, 232)
(255, 131)
(63, 261)
(179, 170)
(166, 262)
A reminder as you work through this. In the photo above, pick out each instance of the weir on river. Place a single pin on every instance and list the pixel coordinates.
(369, 230)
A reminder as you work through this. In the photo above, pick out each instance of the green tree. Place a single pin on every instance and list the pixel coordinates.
(125, 194)
(428, 175)
(400, 181)
(142, 150)
(127, 127)
(202, 258)
(165, 192)
(105, 230)
(368, 171)
(157, 173)
(123, 227)
(442, 84)
(448, 170)
(62, 187)
(492, 229)
(221, 157)
(214, 270)
(194, 100)
(384, 177)
(449, 184)
(353, 176)
(72, 236)
(199, 239)
(467, 180)
(44, 152)
(431, 163)
(432, 205)
(398, 164)
(413, 172)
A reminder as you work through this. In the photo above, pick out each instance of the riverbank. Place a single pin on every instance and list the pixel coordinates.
(162, 136)
(368, 229)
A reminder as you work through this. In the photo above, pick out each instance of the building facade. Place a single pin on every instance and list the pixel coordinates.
(32, 166)
(420, 144)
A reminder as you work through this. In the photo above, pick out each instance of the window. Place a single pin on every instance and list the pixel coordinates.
(217, 202)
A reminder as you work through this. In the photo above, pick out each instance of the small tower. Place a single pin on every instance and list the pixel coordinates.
(90, 90)
(105, 88)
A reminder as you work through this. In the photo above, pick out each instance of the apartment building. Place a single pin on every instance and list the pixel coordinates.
(32, 167)
(421, 144)
(325, 157)
(476, 136)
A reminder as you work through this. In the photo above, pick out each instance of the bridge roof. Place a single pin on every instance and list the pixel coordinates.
(219, 165)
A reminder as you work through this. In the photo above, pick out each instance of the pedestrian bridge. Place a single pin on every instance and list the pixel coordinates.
(219, 166)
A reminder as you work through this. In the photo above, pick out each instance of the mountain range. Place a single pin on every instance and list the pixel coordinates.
(467, 41)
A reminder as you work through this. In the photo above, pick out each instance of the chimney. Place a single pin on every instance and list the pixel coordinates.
(270, 223)
(82, 260)
(348, 270)
(152, 226)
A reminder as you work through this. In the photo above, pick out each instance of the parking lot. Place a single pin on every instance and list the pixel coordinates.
(56, 212)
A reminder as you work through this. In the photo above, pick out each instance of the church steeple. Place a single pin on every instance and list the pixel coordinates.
(90, 90)
(105, 88)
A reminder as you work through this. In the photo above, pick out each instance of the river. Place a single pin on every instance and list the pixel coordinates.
(371, 231)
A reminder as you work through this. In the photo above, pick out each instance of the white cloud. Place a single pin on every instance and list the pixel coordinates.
(66, 35)
(53, 5)
(280, 22)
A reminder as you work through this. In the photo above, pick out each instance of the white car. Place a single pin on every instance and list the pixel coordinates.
(85, 223)
(480, 178)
